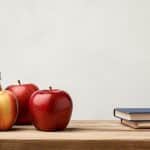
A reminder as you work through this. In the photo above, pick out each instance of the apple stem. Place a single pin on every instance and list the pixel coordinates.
(19, 82)
(0, 82)
(50, 87)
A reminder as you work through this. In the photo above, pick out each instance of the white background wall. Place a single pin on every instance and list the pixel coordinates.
(97, 50)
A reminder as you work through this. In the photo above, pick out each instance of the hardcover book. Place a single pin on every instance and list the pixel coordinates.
(132, 113)
(136, 124)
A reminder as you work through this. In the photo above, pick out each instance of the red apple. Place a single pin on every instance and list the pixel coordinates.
(23, 93)
(8, 109)
(50, 109)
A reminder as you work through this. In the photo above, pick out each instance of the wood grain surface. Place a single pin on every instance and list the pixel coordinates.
(88, 135)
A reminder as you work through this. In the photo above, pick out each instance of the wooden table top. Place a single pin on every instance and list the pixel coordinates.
(78, 135)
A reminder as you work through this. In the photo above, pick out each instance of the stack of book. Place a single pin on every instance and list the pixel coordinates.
(134, 117)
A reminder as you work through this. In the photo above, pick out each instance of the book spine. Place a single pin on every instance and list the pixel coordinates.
(114, 111)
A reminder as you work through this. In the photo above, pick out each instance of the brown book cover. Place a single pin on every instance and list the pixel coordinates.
(136, 124)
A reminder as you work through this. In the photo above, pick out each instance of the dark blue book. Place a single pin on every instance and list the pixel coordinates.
(135, 114)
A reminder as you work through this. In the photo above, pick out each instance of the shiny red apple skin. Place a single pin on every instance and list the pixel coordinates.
(8, 110)
(51, 109)
(23, 93)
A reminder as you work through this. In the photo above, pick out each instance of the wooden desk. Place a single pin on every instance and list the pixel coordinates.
(80, 135)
